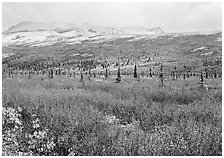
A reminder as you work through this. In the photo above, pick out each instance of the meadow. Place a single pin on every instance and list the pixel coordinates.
(63, 116)
(48, 109)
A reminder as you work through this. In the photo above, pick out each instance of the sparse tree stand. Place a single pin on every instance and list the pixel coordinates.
(135, 72)
(118, 79)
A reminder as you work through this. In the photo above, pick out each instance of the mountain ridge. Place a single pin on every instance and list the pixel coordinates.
(28, 26)
(35, 34)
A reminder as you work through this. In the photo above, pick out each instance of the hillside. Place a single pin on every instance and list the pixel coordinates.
(69, 42)
(88, 90)
(170, 45)
(40, 34)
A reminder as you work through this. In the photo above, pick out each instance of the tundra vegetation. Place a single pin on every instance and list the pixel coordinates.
(138, 106)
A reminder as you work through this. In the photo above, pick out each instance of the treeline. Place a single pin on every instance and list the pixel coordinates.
(75, 68)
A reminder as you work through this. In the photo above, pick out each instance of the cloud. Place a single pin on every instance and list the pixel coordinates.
(172, 17)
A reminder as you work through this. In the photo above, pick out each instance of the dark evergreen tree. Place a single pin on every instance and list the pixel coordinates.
(135, 72)
(52, 73)
(9, 73)
(106, 73)
(81, 78)
(118, 79)
(29, 74)
(150, 72)
(206, 73)
(94, 75)
(161, 76)
(201, 79)
(59, 71)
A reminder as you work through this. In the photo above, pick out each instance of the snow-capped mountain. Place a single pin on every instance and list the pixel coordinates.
(28, 26)
(40, 34)
(155, 30)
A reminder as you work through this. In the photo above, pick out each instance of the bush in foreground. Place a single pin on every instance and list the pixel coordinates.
(56, 121)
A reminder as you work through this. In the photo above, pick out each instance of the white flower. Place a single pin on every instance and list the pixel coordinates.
(35, 133)
(19, 109)
(36, 125)
(18, 121)
(42, 133)
(50, 145)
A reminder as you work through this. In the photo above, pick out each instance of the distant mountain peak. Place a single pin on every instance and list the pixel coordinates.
(26, 26)
(29, 26)
(155, 29)
(25, 22)
(40, 34)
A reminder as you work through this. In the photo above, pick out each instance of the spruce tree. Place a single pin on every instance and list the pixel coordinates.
(106, 74)
(206, 73)
(201, 79)
(29, 74)
(135, 72)
(118, 79)
(81, 77)
(150, 72)
(161, 76)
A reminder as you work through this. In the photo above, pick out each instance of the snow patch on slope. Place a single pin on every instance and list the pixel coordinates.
(206, 54)
(40, 34)
(201, 48)
(219, 39)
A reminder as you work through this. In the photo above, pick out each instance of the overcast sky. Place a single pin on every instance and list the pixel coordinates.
(171, 17)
